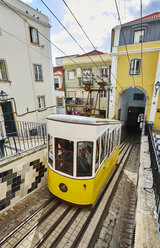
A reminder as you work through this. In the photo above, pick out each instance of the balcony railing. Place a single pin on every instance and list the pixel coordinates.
(79, 101)
(16, 137)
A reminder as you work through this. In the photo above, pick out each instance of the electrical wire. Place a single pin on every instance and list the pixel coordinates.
(68, 32)
(20, 39)
(51, 41)
(54, 44)
(141, 41)
(89, 40)
(123, 37)
(40, 33)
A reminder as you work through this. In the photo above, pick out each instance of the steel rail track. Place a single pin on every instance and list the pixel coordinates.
(44, 217)
(25, 221)
(72, 219)
(86, 224)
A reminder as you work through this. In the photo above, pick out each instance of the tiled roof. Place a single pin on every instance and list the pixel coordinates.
(58, 70)
(148, 17)
(94, 52)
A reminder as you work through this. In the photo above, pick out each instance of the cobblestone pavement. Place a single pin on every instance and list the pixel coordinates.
(12, 217)
(117, 230)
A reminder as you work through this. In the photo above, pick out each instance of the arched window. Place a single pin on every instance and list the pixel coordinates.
(135, 65)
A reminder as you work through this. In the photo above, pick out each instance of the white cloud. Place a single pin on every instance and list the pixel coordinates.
(96, 20)
(97, 17)
(27, 1)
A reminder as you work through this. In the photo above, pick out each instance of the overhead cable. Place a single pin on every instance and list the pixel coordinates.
(119, 18)
(89, 40)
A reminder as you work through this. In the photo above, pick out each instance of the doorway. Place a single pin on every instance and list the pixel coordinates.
(131, 108)
(9, 119)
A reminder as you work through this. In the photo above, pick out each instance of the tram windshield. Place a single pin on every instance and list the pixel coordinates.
(64, 155)
(84, 161)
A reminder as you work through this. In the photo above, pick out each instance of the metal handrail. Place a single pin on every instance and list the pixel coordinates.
(18, 136)
(155, 166)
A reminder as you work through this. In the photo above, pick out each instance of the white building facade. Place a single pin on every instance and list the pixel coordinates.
(26, 74)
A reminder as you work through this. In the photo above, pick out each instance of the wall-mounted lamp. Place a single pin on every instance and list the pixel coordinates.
(3, 95)
(157, 85)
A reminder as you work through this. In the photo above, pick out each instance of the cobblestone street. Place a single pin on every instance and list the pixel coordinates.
(117, 229)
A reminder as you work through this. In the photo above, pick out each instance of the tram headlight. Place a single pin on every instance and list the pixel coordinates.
(63, 187)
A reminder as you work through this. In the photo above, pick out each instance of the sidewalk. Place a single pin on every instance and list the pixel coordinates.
(146, 235)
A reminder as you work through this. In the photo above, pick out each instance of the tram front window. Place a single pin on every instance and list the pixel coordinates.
(64, 155)
(84, 161)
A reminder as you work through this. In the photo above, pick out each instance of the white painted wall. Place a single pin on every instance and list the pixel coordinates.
(155, 94)
(20, 55)
(61, 110)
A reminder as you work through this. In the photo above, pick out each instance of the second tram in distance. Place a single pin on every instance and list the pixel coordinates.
(82, 153)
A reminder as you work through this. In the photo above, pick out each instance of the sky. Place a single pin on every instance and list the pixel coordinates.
(97, 17)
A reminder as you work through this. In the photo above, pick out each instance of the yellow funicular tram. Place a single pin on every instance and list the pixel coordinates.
(82, 152)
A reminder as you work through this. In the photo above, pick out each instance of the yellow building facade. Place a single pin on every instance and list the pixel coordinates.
(136, 66)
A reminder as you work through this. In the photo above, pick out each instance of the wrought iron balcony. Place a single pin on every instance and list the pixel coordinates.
(71, 101)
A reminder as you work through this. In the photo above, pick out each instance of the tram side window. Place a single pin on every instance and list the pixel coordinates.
(97, 154)
(84, 159)
(50, 149)
(103, 144)
(107, 145)
(64, 155)
(118, 134)
(112, 144)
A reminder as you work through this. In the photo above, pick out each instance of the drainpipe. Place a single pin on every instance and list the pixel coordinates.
(109, 92)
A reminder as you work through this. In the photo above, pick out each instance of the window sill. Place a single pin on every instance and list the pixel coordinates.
(41, 109)
(5, 81)
(35, 44)
(134, 75)
(39, 81)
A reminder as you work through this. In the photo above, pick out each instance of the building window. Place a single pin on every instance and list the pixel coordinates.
(64, 155)
(60, 102)
(38, 72)
(34, 35)
(103, 94)
(138, 36)
(86, 75)
(71, 75)
(84, 160)
(56, 83)
(3, 73)
(135, 65)
(41, 102)
(104, 72)
(138, 97)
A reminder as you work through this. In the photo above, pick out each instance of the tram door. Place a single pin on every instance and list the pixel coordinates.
(134, 120)
(8, 119)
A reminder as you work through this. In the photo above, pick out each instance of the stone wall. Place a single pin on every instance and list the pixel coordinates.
(22, 175)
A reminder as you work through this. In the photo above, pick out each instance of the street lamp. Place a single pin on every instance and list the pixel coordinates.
(3, 95)
(157, 85)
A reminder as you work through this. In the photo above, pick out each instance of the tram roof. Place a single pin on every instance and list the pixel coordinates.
(82, 119)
